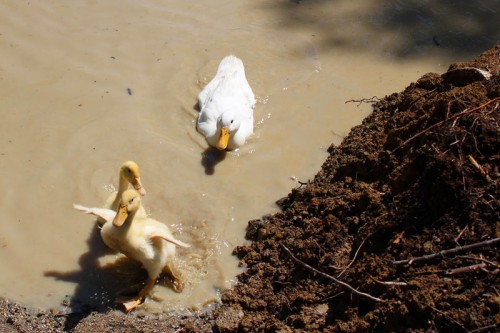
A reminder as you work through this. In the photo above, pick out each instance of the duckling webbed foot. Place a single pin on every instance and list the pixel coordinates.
(131, 303)
(174, 276)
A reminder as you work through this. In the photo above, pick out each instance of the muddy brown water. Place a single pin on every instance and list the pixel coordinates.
(88, 85)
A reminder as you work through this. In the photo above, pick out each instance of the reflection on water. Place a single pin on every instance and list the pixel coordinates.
(210, 158)
(88, 85)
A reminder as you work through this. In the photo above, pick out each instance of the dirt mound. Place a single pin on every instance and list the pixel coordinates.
(419, 178)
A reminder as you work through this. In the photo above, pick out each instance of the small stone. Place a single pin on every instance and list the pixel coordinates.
(465, 76)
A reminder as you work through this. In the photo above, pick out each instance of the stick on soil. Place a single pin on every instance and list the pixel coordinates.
(444, 253)
(466, 269)
(479, 167)
(329, 276)
(457, 115)
(352, 261)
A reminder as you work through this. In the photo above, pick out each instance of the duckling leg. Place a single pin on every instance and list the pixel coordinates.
(175, 277)
(131, 304)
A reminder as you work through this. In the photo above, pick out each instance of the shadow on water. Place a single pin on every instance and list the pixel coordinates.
(210, 158)
(400, 29)
(97, 286)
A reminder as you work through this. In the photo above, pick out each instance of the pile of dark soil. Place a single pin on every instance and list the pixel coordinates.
(419, 178)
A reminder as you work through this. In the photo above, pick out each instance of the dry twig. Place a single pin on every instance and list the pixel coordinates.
(330, 277)
(444, 253)
(422, 96)
(450, 318)
(479, 167)
(485, 328)
(363, 100)
(390, 283)
(352, 261)
(460, 234)
(466, 269)
(491, 263)
(439, 123)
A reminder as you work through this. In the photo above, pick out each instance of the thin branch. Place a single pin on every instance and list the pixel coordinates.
(485, 328)
(422, 96)
(479, 168)
(450, 318)
(332, 297)
(444, 253)
(352, 261)
(494, 264)
(439, 123)
(466, 269)
(462, 162)
(460, 234)
(300, 262)
(302, 183)
(391, 283)
(363, 100)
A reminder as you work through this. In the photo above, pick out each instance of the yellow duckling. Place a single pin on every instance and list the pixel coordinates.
(140, 238)
(226, 106)
(129, 174)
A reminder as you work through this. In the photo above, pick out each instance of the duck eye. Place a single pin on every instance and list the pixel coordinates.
(232, 121)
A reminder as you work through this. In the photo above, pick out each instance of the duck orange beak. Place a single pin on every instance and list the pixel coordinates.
(136, 183)
(120, 216)
(223, 139)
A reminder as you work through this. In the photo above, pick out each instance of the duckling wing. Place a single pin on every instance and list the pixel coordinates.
(157, 229)
(104, 213)
(171, 239)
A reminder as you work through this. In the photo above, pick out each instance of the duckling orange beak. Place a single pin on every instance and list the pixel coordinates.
(120, 216)
(223, 139)
(136, 183)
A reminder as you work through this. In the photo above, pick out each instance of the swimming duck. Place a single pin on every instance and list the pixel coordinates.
(226, 106)
(129, 174)
(140, 238)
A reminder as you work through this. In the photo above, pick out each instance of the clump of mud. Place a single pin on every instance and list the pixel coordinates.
(419, 176)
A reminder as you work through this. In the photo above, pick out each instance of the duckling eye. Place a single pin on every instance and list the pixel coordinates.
(132, 200)
(232, 121)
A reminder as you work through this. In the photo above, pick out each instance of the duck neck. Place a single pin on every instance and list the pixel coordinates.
(122, 186)
(128, 222)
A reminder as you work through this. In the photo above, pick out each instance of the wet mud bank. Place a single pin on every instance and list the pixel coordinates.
(397, 232)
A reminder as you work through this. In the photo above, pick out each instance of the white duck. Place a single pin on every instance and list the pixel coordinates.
(226, 106)
(129, 174)
(140, 238)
